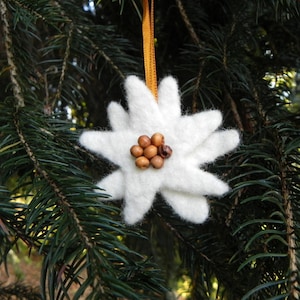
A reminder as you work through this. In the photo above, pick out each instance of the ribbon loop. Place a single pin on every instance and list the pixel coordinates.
(148, 46)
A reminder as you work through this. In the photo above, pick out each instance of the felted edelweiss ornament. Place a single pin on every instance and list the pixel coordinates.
(159, 150)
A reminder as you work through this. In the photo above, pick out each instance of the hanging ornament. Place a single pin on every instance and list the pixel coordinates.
(158, 150)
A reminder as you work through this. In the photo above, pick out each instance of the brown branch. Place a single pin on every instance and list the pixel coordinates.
(188, 24)
(103, 54)
(197, 87)
(234, 110)
(65, 63)
(232, 29)
(229, 217)
(16, 87)
(258, 103)
(197, 41)
(291, 236)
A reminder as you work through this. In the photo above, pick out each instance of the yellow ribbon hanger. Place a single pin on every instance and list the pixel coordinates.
(148, 46)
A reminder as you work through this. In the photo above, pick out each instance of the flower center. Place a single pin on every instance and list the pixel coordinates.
(150, 151)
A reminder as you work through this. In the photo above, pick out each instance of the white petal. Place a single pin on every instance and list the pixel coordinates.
(114, 185)
(135, 209)
(193, 130)
(115, 146)
(141, 188)
(118, 117)
(217, 144)
(144, 113)
(189, 207)
(169, 99)
(189, 179)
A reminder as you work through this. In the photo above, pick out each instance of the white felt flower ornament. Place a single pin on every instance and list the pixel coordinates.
(194, 140)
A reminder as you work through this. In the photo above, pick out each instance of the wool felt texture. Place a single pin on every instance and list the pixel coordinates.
(195, 140)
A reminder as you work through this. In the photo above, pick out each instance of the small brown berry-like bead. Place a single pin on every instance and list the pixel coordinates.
(165, 151)
(150, 151)
(144, 141)
(157, 139)
(142, 162)
(136, 150)
(157, 162)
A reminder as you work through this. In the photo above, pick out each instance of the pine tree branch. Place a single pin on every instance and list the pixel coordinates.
(229, 98)
(26, 7)
(63, 200)
(65, 63)
(188, 24)
(233, 208)
(197, 87)
(197, 41)
(260, 110)
(17, 90)
(234, 110)
(103, 54)
(225, 45)
(290, 229)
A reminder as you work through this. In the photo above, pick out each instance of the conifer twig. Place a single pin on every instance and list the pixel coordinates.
(63, 200)
(65, 62)
(103, 54)
(197, 41)
(188, 24)
(17, 90)
(197, 87)
(290, 229)
(29, 8)
(235, 112)
(229, 217)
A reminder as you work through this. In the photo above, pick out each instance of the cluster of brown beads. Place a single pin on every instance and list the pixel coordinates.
(150, 151)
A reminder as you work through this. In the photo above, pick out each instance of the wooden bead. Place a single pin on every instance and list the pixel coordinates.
(165, 151)
(157, 162)
(144, 141)
(150, 151)
(136, 150)
(142, 162)
(157, 139)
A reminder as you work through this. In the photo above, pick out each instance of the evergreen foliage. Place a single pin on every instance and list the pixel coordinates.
(63, 61)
